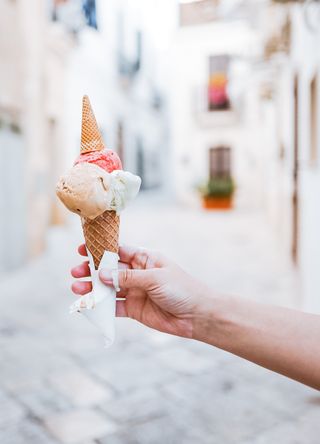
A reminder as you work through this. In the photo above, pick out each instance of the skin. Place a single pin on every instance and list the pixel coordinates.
(159, 294)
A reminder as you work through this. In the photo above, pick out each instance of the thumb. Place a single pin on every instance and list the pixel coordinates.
(129, 278)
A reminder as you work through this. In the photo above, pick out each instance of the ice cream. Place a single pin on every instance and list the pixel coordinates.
(84, 190)
(97, 182)
(106, 159)
(89, 190)
(98, 189)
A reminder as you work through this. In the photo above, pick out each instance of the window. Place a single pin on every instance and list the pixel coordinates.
(89, 9)
(128, 64)
(74, 14)
(220, 162)
(218, 98)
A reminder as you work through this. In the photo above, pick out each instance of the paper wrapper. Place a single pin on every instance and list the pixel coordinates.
(99, 306)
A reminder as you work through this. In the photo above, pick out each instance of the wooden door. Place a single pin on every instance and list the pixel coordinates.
(220, 162)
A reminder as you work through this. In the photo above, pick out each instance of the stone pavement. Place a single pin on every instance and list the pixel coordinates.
(59, 385)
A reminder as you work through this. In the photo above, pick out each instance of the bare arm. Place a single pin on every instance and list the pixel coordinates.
(162, 296)
(283, 340)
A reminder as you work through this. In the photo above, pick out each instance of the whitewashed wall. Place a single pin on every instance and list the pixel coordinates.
(303, 62)
(32, 67)
(190, 141)
(306, 61)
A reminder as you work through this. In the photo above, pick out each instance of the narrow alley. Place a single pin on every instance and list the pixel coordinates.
(59, 385)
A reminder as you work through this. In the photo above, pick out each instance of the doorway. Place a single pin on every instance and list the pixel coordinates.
(13, 200)
(220, 162)
(120, 142)
(314, 121)
(295, 174)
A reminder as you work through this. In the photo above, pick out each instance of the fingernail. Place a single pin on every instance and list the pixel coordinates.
(106, 276)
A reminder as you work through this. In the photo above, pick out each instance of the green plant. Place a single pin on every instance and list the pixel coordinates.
(218, 187)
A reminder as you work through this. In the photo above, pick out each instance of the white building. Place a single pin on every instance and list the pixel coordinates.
(272, 127)
(196, 130)
(296, 168)
(120, 67)
(140, 51)
(32, 58)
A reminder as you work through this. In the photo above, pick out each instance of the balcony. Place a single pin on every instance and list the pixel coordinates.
(198, 12)
(73, 14)
(211, 118)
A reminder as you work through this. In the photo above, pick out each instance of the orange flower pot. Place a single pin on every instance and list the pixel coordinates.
(217, 203)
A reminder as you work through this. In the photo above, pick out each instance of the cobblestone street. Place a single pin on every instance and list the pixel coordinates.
(59, 385)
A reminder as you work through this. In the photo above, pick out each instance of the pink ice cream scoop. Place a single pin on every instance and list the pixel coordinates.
(105, 159)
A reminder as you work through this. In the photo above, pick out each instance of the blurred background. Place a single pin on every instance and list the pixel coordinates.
(216, 105)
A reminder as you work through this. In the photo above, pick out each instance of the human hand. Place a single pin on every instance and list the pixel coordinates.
(156, 292)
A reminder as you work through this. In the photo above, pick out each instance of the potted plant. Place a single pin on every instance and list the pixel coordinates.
(217, 193)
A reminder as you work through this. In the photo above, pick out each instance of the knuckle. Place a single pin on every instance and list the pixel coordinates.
(143, 258)
(126, 276)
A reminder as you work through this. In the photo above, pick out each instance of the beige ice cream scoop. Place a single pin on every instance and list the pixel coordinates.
(89, 190)
(85, 190)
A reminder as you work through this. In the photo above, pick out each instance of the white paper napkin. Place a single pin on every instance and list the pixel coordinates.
(99, 306)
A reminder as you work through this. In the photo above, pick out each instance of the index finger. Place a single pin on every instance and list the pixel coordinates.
(141, 258)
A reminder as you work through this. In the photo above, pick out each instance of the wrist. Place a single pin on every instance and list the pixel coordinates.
(209, 319)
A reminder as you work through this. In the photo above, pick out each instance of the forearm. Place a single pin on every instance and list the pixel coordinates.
(283, 340)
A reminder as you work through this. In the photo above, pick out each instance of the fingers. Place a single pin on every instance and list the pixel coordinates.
(81, 287)
(127, 254)
(81, 271)
(129, 278)
(141, 258)
(82, 250)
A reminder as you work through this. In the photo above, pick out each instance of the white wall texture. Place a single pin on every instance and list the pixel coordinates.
(306, 62)
(303, 62)
(31, 96)
(190, 140)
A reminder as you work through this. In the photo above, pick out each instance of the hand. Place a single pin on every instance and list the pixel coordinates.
(157, 292)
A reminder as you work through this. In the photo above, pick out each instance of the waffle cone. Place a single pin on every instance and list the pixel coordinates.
(101, 234)
(91, 139)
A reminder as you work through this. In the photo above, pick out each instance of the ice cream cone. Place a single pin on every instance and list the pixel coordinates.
(101, 234)
(91, 139)
(98, 189)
